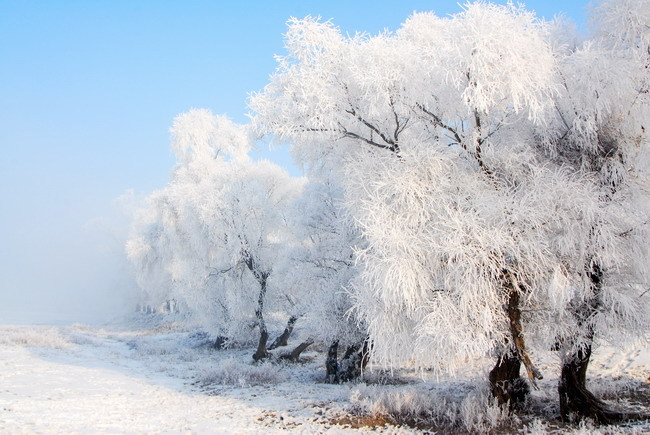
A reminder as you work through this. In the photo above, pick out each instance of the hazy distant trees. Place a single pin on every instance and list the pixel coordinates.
(212, 235)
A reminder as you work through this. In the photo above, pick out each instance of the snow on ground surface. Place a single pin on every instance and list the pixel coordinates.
(161, 377)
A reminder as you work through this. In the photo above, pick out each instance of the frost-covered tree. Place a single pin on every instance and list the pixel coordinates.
(441, 261)
(321, 266)
(598, 128)
(150, 251)
(474, 230)
(211, 237)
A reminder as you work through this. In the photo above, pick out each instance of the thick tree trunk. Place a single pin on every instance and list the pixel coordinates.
(283, 339)
(352, 364)
(575, 399)
(261, 352)
(506, 384)
(332, 363)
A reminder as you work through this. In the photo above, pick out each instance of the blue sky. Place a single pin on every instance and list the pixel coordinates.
(88, 90)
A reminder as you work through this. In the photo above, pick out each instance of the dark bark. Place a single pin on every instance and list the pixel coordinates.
(575, 399)
(261, 352)
(332, 363)
(295, 353)
(261, 276)
(506, 384)
(352, 364)
(516, 328)
(283, 339)
(220, 343)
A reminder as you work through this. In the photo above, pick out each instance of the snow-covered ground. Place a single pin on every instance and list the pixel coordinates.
(160, 377)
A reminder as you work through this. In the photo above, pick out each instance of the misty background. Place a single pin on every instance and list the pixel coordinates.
(88, 91)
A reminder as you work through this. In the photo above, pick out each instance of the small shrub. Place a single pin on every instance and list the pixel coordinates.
(33, 336)
(230, 371)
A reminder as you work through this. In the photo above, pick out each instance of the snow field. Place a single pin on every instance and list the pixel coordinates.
(80, 380)
(166, 379)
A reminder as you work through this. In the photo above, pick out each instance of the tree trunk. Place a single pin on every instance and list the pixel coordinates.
(283, 339)
(516, 328)
(295, 353)
(575, 399)
(261, 352)
(352, 364)
(506, 384)
(220, 343)
(332, 364)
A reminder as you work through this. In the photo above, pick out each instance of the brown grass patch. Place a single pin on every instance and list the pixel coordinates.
(360, 421)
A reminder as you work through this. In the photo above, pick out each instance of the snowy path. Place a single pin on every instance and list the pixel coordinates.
(41, 395)
(97, 387)
(56, 397)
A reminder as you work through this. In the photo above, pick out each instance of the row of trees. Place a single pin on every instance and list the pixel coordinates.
(235, 241)
(478, 185)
